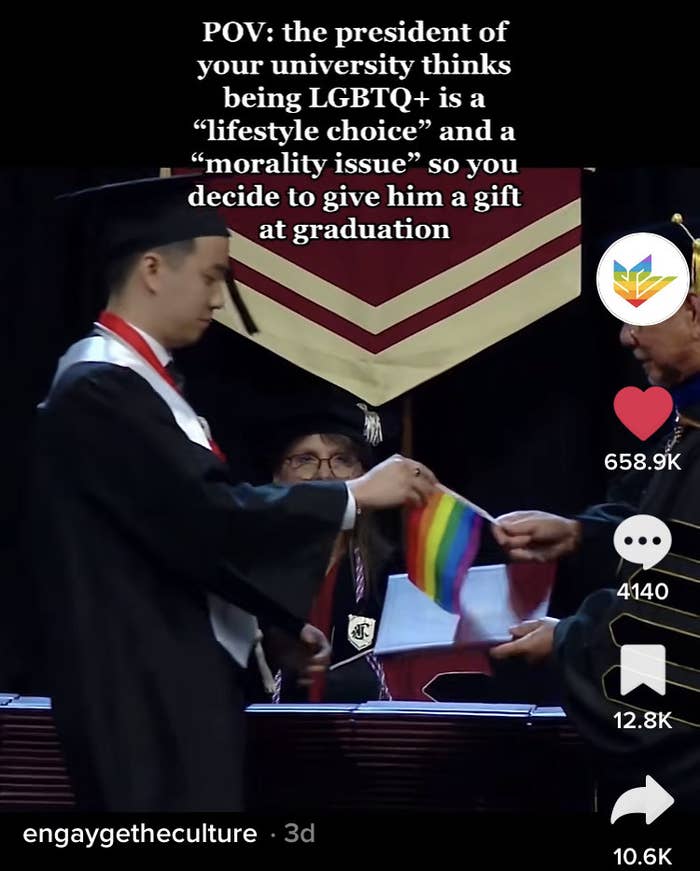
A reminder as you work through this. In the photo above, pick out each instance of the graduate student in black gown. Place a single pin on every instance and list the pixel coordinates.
(585, 647)
(151, 566)
(326, 438)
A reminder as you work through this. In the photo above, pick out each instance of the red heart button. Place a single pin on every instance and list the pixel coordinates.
(643, 411)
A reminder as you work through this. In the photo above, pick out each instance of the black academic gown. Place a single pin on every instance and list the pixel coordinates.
(587, 644)
(352, 629)
(351, 677)
(132, 525)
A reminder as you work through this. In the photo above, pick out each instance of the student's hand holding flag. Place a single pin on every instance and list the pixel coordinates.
(536, 536)
(394, 483)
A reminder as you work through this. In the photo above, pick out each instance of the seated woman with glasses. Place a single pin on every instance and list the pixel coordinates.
(337, 441)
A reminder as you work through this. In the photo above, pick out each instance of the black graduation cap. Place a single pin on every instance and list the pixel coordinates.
(280, 422)
(124, 218)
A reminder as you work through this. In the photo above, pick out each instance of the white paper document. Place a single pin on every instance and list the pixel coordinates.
(490, 604)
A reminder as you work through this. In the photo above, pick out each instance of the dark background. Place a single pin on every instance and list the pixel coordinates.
(524, 424)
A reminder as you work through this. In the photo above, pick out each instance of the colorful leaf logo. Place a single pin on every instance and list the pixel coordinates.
(637, 285)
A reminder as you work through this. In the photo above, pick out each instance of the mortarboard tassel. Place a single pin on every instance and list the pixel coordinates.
(695, 262)
(237, 300)
(373, 425)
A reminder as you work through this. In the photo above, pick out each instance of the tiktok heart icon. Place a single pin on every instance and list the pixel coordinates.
(643, 412)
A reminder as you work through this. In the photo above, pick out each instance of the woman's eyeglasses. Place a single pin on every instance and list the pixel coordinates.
(308, 466)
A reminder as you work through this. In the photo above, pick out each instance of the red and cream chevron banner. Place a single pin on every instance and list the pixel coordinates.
(380, 317)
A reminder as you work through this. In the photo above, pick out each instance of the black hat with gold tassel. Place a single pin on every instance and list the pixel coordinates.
(695, 260)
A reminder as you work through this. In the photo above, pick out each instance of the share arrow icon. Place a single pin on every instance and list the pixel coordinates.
(651, 800)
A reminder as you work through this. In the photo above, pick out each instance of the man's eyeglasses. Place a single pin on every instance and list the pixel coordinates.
(307, 466)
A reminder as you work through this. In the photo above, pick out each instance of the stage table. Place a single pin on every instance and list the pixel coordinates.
(418, 756)
(376, 756)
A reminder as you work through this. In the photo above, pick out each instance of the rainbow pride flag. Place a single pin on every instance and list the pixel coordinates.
(442, 540)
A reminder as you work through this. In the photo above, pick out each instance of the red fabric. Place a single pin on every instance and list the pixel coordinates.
(135, 339)
(530, 584)
(378, 271)
(409, 674)
(132, 337)
(421, 320)
(321, 616)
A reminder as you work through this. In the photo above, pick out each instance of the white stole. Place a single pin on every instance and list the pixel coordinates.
(235, 629)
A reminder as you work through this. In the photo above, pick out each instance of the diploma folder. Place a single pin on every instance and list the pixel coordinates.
(493, 599)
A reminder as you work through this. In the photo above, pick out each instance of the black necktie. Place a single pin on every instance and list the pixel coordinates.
(176, 375)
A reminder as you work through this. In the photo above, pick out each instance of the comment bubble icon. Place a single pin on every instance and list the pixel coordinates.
(642, 539)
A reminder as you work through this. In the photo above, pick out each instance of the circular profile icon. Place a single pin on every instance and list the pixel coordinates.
(643, 279)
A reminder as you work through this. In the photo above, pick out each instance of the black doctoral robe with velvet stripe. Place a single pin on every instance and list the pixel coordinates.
(350, 677)
(132, 524)
(587, 644)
